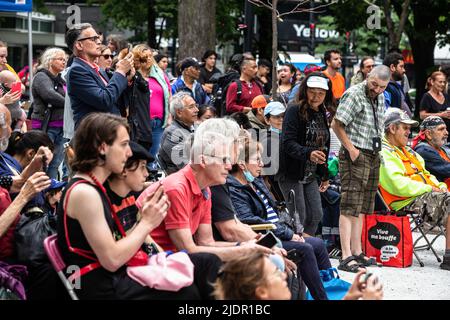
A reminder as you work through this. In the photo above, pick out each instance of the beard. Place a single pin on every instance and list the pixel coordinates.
(397, 76)
(439, 143)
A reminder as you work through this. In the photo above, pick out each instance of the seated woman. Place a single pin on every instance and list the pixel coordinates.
(26, 154)
(123, 189)
(90, 234)
(254, 205)
(256, 277)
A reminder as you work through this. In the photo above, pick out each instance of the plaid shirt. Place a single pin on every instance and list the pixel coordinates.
(356, 113)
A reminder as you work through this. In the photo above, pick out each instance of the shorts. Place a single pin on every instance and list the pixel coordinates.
(433, 206)
(359, 182)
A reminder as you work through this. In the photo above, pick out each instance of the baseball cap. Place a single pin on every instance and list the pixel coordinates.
(394, 115)
(274, 108)
(317, 82)
(431, 122)
(139, 152)
(189, 62)
(260, 101)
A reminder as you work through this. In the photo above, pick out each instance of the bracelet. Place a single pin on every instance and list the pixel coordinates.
(6, 182)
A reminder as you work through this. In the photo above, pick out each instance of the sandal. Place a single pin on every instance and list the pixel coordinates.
(354, 268)
(366, 261)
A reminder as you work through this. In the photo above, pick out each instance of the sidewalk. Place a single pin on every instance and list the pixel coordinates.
(415, 282)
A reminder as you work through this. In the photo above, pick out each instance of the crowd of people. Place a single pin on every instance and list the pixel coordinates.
(303, 162)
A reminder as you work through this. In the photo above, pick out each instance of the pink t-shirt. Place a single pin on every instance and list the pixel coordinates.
(156, 98)
(189, 206)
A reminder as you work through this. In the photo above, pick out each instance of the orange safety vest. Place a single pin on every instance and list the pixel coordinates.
(414, 170)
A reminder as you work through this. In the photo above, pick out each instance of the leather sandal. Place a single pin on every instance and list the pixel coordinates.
(354, 268)
(366, 261)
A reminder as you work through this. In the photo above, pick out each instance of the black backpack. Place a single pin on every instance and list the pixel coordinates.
(219, 94)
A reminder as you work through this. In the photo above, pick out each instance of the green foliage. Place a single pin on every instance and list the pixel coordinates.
(228, 13)
(365, 42)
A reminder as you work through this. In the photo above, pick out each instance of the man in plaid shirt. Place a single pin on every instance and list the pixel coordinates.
(359, 126)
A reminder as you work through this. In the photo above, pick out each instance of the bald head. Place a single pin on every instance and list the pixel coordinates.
(7, 78)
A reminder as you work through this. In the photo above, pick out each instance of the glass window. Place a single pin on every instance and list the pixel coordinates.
(46, 26)
(7, 22)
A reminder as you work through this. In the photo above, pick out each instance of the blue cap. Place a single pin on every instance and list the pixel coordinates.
(55, 184)
(274, 108)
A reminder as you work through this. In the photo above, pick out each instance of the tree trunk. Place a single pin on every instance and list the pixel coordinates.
(151, 28)
(274, 47)
(423, 41)
(196, 27)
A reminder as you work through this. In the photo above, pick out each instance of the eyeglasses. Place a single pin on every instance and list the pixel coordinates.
(107, 56)
(93, 38)
(60, 59)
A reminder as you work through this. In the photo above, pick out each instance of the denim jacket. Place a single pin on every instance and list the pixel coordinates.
(250, 208)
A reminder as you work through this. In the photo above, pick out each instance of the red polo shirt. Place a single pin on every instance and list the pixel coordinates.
(189, 207)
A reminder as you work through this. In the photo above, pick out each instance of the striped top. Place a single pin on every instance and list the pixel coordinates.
(272, 216)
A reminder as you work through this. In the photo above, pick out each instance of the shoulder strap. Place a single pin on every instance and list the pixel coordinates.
(239, 89)
(84, 253)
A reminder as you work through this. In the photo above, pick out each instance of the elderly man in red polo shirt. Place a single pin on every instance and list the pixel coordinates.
(188, 222)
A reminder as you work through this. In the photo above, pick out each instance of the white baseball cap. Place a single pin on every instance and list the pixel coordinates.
(317, 82)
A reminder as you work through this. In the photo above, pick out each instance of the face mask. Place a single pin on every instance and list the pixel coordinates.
(277, 261)
(275, 130)
(248, 176)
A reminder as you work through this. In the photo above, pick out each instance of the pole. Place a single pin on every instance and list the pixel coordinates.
(312, 28)
(249, 21)
(30, 52)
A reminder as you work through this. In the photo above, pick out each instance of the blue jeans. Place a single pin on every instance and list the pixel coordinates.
(313, 256)
(157, 132)
(56, 135)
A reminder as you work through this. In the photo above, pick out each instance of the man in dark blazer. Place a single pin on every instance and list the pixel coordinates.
(89, 88)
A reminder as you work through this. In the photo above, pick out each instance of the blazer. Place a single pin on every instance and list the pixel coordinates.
(88, 93)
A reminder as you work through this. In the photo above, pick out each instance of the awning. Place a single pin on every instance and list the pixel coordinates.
(16, 5)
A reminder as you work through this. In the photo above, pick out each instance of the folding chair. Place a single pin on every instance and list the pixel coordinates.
(417, 224)
(52, 250)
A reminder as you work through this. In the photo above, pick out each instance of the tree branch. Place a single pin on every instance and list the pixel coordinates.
(260, 4)
(403, 18)
(315, 10)
(389, 22)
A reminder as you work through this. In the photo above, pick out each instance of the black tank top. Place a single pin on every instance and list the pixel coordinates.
(98, 280)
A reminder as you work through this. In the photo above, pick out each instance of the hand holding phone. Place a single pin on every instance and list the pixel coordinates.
(268, 241)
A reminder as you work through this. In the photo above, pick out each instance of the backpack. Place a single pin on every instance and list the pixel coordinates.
(219, 94)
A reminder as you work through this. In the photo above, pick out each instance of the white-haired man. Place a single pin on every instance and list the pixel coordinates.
(187, 225)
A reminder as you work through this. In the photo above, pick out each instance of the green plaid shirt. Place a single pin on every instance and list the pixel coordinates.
(356, 113)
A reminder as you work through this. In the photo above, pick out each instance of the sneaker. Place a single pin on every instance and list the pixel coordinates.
(446, 263)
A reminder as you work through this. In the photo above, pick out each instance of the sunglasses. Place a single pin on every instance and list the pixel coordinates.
(107, 56)
(93, 38)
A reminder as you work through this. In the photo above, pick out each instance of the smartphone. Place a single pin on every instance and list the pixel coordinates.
(16, 87)
(292, 255)
(268, 241)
